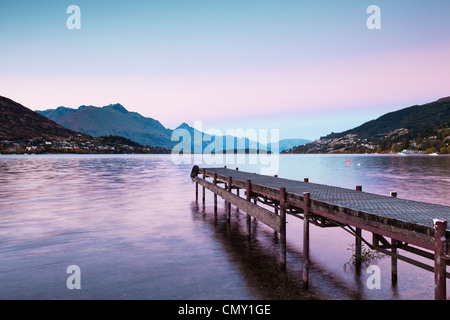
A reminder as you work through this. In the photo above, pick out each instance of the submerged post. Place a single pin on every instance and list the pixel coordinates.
(215, 196)
(276, 209)
(394, 273)
(196, 192)
(248, 188)
(204, 189)
(283, 229)
(358, 250)
(229, 203)
(306, 204)
(440, 239)
(194, 174)
(237, 192)
(358, 244)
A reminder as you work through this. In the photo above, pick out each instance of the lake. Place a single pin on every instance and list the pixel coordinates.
(131, 225)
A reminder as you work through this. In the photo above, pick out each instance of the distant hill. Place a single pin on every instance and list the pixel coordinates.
(286, 144)
(416, 119)
(227, 142)
(113, 119)
(17, 121)
(423, 128)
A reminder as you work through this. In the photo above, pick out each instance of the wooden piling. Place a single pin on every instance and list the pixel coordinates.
(215, 196)
(248, 188)
(394, 273)
(306, 204)
(283, 228)
(196, 192)
(204, 191)
(358, 243)
(358, 250)
(229, 204)
(237, 193)
(440, 281)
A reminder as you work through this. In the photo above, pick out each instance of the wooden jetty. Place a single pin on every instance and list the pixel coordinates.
(419, 228)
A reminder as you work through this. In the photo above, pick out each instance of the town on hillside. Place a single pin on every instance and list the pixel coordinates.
(395, 141)
(77, 145)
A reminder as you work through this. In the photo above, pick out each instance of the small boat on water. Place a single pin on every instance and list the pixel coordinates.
(409, 151)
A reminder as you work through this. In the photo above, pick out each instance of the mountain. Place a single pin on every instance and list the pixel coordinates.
(56, 113)
(17, 121)
(416, 118)
(419, 127)
(208, 143)
(286, 144)
(113, 119)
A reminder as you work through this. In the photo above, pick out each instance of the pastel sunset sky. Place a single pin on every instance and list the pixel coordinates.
(306, 68)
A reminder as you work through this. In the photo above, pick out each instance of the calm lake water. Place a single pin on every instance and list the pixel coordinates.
(131, 224)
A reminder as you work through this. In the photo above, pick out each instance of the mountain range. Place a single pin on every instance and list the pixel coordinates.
(420, 126)
(115, 119)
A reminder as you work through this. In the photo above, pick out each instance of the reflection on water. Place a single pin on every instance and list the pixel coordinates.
(130, 223)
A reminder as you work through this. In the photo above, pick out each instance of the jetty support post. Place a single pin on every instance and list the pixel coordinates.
(237, 192)
(194, 174)
(394, 263)
(440, 263)
(283, 228)
(225, 186)
(306, 204)
(215, 196)
(204, 190)
(358, 243)
(248, 188)
(229, 203)
(196, 192)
